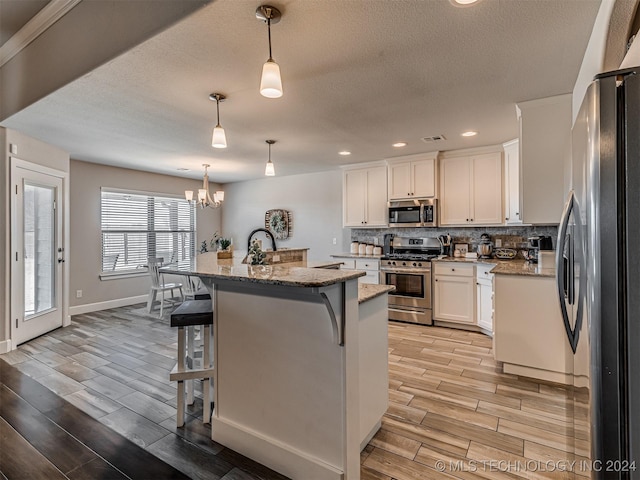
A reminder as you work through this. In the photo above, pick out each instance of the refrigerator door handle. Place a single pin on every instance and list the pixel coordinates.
(565, 271)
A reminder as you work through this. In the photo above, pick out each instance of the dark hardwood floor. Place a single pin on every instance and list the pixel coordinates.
(93, 400)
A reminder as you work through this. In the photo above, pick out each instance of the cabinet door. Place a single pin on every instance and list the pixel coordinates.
(512, 184)
(354, 194)
(455, 181)
(485, 304)
(400, 181)
(487, 189)
(376, 197)
(423, 174)
(454, 299)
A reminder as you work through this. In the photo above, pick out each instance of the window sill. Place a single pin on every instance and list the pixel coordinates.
(117, 276)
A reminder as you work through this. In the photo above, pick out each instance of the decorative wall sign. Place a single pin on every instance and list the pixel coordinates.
(278, 222)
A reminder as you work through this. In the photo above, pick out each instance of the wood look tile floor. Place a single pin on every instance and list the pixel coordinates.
(452, 412)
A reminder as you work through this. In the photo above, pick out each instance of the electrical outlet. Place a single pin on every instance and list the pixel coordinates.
(13, 148)
(78, 293)
(375, 240)
(275, 258)
(335, 241)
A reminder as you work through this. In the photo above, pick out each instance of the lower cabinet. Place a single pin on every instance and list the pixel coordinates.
(454, 292)
(370, 266)
(484, 295)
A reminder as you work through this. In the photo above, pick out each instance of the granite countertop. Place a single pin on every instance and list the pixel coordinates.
(506, 267)
(355, 255)
(367, 291)
(284, 274)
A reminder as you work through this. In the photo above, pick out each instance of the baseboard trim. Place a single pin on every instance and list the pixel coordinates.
(95, 307)
(5, 346)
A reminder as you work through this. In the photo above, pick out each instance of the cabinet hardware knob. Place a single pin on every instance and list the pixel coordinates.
(506, 218)
(453, 269)
(517, 213)
(467, 219)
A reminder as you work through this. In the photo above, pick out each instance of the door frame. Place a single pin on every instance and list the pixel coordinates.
(15, 164)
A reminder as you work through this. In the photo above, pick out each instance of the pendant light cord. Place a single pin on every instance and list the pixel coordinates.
(269, 33)
(218, 108)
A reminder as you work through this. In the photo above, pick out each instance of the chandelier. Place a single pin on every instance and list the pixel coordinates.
(204, 197)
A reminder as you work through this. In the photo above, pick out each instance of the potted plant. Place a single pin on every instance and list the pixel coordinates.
(224, 248)
(255, 255)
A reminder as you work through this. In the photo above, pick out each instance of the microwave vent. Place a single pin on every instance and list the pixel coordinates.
(435, 138)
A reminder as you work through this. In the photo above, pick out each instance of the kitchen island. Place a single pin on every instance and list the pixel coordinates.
(300, 364)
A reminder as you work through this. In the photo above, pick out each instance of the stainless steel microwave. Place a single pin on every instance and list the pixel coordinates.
(419, 212)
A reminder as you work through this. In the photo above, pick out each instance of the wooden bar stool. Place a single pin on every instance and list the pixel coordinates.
(188, 315)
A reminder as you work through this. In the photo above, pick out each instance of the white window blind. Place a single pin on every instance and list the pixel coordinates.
(138, 226)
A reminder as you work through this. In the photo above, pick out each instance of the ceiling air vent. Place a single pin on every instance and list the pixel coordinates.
(435, 138)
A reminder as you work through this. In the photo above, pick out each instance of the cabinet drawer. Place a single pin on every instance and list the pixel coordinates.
(366, 264)
(483, 271)
(348, 264)
(370, 277)
(454, 269)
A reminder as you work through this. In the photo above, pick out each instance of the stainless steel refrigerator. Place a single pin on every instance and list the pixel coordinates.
(598, 276)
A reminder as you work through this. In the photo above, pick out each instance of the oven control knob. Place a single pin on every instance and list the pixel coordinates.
(404, 264)
(414, 264)
(419, 264)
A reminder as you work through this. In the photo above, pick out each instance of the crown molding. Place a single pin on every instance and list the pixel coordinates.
(41, 21)
(467, 152)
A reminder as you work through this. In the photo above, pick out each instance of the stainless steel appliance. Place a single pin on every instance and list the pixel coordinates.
(598, 275)
(418, 212)
(407, 266)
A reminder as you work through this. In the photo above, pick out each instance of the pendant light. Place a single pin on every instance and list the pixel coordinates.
(270, 170)
(219, 139)
(270, 82)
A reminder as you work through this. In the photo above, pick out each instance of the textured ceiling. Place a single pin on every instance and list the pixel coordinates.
(357, 75)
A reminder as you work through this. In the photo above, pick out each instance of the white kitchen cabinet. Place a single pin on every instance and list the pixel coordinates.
(545, 149)
(471, 189)
(370, 266)
(412, 177)
(484, 295)
(365, 197)
(529, 335)
(454, 290)
(512, 183)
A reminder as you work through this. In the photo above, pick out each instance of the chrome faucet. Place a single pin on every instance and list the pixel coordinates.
(269, 234)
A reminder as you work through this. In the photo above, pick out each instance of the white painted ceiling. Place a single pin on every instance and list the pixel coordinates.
(357, 74)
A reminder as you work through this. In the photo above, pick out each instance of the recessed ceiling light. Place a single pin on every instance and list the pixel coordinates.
(463, 3)
(400, 144)
(344, 152)
(182, 169)
(469, 134)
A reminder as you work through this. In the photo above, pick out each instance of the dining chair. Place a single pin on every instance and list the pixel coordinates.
(158, 285)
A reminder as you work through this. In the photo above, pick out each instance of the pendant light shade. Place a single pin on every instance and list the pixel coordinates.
(219, 139)
(270, 169)
(271, 81)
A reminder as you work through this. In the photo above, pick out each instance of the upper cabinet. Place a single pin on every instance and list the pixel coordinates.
(545, 148)
(471, 189)
(364, 197)
(413, 176)
(512, 205)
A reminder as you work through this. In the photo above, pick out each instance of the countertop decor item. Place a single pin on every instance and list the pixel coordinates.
(256, 256)
(224, 248)
(278, 222)
(505, 253)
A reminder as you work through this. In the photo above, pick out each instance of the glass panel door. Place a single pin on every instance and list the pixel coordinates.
(39, 249)
(37, 253)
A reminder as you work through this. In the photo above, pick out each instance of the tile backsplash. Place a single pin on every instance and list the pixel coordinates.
(511, 236)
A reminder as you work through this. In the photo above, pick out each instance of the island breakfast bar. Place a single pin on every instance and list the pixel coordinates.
(301, 365)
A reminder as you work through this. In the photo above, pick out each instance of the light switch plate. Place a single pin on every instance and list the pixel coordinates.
(13, 148)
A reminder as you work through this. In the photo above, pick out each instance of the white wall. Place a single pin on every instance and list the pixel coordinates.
(593, 59)
(315, 201)
(85, 253)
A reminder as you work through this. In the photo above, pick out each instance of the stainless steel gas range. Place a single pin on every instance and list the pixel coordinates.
(407, 266)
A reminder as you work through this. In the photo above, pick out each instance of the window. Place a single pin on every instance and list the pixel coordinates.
(137, 226)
